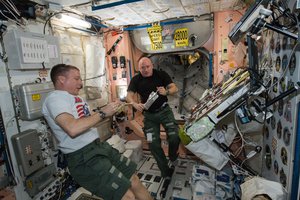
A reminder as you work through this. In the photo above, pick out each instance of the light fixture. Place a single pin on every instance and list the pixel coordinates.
(73, 21)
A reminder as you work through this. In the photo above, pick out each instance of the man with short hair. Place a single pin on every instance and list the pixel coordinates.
(94, 165)
(153, 81)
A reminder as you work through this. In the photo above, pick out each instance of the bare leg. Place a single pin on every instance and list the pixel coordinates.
(139, 190)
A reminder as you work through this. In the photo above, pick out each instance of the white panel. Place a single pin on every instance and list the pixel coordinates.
(34, 50)
(214, 6)
(193, 2)
(126, 15)
(226, 5)
(142, 12)
(175, 12)
(26, 50)
(198, 9)
(167, 3)
(103, 13)
(145, 10)
(69, 44)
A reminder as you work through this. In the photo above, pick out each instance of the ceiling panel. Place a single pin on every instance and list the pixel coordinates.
(146, 9)
(175, 12)
(192, 2)
(198, 9)
(149, 11)
(167, 3)
(214, 6)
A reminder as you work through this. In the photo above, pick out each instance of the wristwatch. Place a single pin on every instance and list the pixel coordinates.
(102, 114)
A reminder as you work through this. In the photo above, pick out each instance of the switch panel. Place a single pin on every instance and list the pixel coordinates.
(26, 50)
(34, 50)
(28, 151)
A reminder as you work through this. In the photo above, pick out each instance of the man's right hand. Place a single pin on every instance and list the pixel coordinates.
(111, 108)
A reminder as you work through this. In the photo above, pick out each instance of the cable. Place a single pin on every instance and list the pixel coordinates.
(9, 121)
(275, 19)
(284, 12)
(243, 171)
(99, 76)
(61, 12)
(6, 147)
(282, 74)
(239, 12)
(244, 141)
(44, 30)
(9, 9)
(20, 24)
(217, 138)
(60, 190)
(13, 7)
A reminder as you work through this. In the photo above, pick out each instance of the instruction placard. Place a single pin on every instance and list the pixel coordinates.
(181, 37)
(155, 35)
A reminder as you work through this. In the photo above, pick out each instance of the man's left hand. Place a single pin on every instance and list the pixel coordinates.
(162, 91)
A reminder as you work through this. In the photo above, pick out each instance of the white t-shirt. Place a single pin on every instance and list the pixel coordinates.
(58, 102)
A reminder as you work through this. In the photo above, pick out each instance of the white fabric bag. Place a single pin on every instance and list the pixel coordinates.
(209, 153)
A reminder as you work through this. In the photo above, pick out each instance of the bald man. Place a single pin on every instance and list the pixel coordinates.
(147, 81)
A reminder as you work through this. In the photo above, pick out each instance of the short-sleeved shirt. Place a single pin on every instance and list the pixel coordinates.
(58, 102)
(145, 85)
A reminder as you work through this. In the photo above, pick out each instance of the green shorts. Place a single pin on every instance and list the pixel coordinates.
(101, 169)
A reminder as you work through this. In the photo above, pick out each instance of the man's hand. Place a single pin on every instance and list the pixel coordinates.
(111, 108)
(162, 91)
(139, 106)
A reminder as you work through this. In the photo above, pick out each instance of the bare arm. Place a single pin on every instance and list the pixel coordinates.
(130, 98)
(74, 127)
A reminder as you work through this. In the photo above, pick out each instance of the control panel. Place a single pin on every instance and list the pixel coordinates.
(26, 50)
(40, 180)
(28, 152)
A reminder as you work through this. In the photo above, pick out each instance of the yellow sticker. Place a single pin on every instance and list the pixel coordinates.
(29, 184)
(181, 37)
(155, 35)
(36, 97)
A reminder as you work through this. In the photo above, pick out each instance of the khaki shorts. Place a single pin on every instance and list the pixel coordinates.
(101, 169)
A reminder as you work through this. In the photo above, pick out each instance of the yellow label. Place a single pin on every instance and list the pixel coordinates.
(29, 184)
(155, 35)
(181, 37)
(36, 97)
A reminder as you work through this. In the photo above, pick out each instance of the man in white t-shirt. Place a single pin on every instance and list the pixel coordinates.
(94, 165)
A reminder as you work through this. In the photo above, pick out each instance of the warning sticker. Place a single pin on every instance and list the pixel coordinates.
(36, 97)
(181, 37)
(155, 35)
